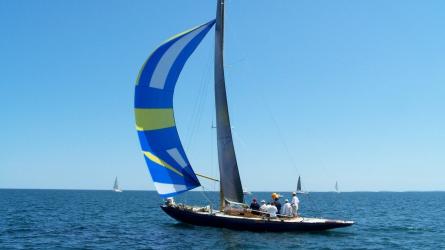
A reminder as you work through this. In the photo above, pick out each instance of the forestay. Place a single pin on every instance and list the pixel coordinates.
(163, 152)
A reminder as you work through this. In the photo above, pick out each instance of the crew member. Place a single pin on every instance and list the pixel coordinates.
(295, 204)
(286, 210)
(277, 203)
(170, 201)
(263, 207)
(272, 211)
(254, 205)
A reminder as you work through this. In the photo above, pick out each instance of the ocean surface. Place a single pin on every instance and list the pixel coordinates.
(70, 219)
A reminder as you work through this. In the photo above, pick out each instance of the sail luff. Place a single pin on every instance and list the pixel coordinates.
(230, 182)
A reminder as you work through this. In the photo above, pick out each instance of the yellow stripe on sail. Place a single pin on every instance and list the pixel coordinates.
(152, 119)
(157, 160)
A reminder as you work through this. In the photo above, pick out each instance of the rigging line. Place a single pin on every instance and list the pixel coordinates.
(202, 94)
(213, 164)
(212, 171)
(201, 106)
(239, 138)
(196, 112)
(281, 137)
(185, 197)
(198, 117)
(231, 31)
(206, 197)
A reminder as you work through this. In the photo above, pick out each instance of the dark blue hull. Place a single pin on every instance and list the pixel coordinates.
(243, 223)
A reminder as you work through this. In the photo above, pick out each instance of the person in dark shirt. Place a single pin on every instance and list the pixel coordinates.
(254, 205)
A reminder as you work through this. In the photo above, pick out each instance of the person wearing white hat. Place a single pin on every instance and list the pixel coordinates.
(263, 207)
(295, 203)
(286, 209)
(170, 201)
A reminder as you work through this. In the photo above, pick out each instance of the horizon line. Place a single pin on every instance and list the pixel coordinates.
(152, 190)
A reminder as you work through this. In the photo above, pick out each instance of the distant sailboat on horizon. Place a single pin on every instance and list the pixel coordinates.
(336, 187)
(299, 191)
(116, 187)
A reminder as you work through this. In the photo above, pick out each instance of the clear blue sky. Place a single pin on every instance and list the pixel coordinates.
(352, 91)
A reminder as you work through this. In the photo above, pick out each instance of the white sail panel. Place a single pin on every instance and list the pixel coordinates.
(166, 63)
(169, 189)
(174, 153)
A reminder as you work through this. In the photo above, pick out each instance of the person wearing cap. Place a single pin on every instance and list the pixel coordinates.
(286, 210)
(295, 203)
(263, 207)
(276, 202)
(254, 205)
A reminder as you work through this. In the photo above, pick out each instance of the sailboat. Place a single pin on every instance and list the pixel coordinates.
(169, 167)
(247, 192)
(299, 191)
(116, 187)
(336, 187)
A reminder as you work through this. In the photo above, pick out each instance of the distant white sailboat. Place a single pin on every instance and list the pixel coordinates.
(336, 187)
(116, 187)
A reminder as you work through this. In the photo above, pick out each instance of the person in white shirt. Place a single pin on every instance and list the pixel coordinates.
(295, 204)
(286, 209)
(263, 207)
(272, 211)
(170, 201)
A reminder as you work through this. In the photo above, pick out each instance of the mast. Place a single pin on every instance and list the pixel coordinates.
(230, 182)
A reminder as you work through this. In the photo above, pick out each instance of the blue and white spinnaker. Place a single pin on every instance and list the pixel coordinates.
(163, 152)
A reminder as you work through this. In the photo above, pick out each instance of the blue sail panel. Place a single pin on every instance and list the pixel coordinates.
(164, 154)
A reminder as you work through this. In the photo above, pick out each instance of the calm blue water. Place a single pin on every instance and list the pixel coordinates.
(55, 219)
